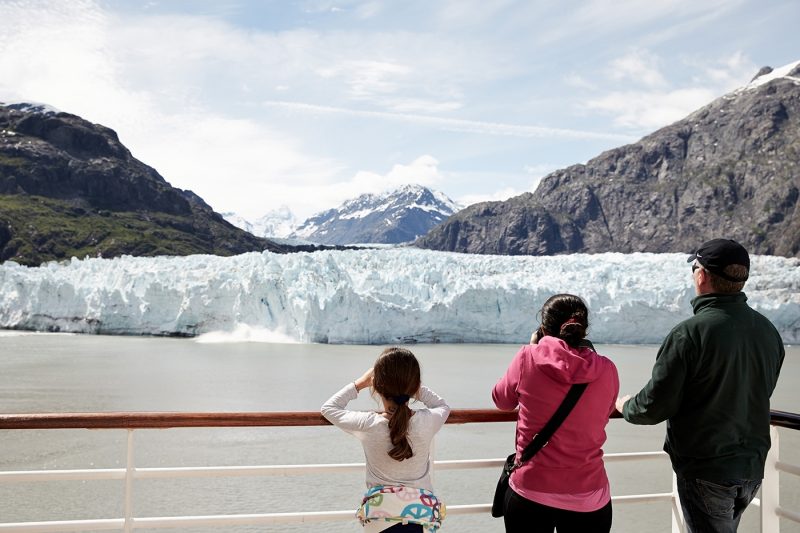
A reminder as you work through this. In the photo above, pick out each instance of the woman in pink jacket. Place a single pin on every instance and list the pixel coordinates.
(564, 486)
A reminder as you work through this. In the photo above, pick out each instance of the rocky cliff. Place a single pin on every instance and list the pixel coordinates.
(70, 188)
(730, 169)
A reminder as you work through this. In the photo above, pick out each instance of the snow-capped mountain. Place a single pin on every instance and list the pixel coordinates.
(393, 217)
(278, 223)
(729, 168)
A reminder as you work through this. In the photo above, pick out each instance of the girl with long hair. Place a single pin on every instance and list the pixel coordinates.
(396, 442)
(564, 486)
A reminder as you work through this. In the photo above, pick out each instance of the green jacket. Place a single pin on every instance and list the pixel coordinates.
(712, 380)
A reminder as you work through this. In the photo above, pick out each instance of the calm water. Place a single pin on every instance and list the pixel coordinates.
(44, 373)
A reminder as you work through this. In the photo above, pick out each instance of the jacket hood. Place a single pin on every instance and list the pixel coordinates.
(556, 359)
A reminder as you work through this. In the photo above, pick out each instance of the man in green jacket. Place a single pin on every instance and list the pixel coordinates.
(712, 381)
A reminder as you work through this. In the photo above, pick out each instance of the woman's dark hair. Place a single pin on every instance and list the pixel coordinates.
(565, 316)
(397, 378)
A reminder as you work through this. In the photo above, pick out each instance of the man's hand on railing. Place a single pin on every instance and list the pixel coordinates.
(620, 406)
(621, 402)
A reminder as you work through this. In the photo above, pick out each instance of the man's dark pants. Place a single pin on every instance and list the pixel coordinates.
(715, 506)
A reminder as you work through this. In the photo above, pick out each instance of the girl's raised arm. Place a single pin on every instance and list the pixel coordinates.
(336, 412)
(435, 403)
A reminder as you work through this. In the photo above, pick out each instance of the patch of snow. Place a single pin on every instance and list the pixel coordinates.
(782, 72)
(363, 213)
(35, 107)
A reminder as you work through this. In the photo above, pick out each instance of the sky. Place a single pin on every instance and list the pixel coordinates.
(255, 105)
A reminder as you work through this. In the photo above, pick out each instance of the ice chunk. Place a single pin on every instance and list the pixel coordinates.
(374, 296)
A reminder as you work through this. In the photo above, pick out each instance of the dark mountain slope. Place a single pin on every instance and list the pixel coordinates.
(69, 187)
(730, 169)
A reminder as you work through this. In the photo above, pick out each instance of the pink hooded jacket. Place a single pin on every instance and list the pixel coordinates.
(537, 381)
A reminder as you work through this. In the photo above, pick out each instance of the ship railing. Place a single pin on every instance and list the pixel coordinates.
(769, 502)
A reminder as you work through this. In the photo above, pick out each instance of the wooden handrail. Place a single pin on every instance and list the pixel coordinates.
(163, 420)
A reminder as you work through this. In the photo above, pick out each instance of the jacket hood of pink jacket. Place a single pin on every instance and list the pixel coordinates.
(556, 359)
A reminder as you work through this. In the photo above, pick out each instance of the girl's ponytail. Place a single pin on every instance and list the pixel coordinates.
(398, 433)
(397, 378)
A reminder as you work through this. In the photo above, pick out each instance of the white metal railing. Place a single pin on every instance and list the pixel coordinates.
(770, 510)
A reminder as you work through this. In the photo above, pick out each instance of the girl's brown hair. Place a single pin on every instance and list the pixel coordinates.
(397, 378)
(565, 316)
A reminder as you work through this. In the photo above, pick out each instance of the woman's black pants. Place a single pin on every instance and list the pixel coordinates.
(524, 516)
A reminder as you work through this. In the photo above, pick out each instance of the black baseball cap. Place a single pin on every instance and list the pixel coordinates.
(716, 254)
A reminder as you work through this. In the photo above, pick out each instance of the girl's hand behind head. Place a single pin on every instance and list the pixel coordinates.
(365, 380)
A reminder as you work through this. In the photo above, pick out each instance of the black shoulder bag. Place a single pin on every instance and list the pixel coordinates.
(537, 443)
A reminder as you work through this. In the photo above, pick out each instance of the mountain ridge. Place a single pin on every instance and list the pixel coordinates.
(728, 169)
(69, 187)
(392, 217)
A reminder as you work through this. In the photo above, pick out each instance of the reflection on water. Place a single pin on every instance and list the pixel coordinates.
(43, 373)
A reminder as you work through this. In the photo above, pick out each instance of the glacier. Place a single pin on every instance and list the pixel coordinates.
(373, 296)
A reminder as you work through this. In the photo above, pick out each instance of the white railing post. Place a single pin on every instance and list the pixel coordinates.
(770, 487)
(678, 525)
(129, 484)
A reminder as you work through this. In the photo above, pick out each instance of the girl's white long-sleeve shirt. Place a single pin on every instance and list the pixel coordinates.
(372, 429)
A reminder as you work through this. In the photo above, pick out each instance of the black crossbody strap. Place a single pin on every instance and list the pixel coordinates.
(540, 439)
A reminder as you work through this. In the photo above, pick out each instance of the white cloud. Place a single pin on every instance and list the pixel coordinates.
(307, 199)
(643, 110)
(52, 51)
(424, 170)
(232, 164)
(457, 125)
(638, 66)
(728, 73)
(367, 79)
(198, 57)
(496, 196)
(467, 13)
(541, 169)
(368, 10)
(599, 19)
(657, 104)
(416, 105)
(538, 172)
(576, 80)
(70, 57)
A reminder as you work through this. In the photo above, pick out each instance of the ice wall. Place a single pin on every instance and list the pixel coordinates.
(375, 296)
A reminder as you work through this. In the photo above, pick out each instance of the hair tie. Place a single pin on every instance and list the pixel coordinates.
(571, 321)
(400, 399)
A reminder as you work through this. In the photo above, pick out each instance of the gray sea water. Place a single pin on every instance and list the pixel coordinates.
(76, 373)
